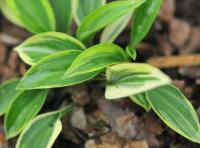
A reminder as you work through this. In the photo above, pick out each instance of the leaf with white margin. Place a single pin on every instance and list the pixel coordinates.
(175, 110)
(81, 8)
(96, 58)
(49, 71)
(42, 131)
(141, 100)
(125, 80)
(112, 31)
(41, 45)
(7, 94)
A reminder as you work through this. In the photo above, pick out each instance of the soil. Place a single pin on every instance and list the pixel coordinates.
(99, 123)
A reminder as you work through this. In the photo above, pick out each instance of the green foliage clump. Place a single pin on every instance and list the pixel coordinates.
(59, 60)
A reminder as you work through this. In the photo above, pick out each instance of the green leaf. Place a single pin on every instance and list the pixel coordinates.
(62, 11)
(9, 14)
(41, 45)
(7, 93)
(104, 16)
(36, 15)
(143, 20)
(48, 72)
(81, 8)
(141, 100)
(96, 58)
(112, 31)
(131, 52)
(125, 80)
(176, 111)
(42, 131)
(24, 107)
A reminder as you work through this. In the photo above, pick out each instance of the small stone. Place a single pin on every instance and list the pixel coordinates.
(167, 10)
(90, 144)
(153, 141)
(107, 146)
(153, 126)
(112, 138)
(179, 32)
(137, 144)
(13, 61)
(2, 53)
(79, 94)
(78, 119)
(126, 125)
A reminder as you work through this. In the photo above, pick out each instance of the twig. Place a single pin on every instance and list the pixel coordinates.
(175, 61)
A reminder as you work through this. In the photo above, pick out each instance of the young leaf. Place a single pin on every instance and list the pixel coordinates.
(96, 58)
(104, 16)
(143, 20)
(24, 107)
(48, 72)
(36, 15)
(9, 14)
(112, 31)
(42, 131)
(131, 52)
(175, 110)
(41, 45)
(81, 8)
(7, 93)
(62, 11)
(130, 79)
(141, 100)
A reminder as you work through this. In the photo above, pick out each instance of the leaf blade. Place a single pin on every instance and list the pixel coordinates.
(22, 110)
(141, 100)
(81, 8)
(125, 80)
(36, 18)
(112, 31)
(104, 16)
(48, 72)
(44, 44)
(63, 15)
(96, 58)
(7, 94)
(143, 20)
(43, 130)
(176, 111)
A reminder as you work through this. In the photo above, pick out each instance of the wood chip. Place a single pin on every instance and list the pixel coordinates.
(175, 61)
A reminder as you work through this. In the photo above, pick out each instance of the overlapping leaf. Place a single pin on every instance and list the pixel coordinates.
(131, 52)
(49, 71)
(143, 20)
(96, 58)
(141, 100)
(112, 31)
(24, 107)
(42, 131)
(63, 14)
(7, 94)
(81, 8)
(104, 16)
(9, 14)
(41, 45)
(130, 79)
(36, 15)
(176, 111)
